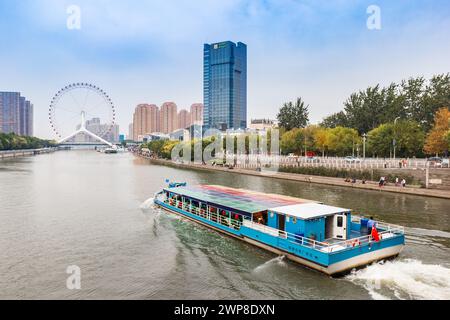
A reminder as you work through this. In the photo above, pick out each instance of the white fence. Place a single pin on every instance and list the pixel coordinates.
(255, 161)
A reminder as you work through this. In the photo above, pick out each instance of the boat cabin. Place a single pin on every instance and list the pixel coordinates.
(315, 221)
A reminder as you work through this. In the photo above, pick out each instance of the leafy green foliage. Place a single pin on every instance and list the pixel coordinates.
(409, 139)
(294, 115)
(12, 141)
(415, 99)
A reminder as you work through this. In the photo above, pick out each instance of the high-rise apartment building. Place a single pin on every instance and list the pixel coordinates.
(225, 85)
(130, 132)
(168, 117)
(184, 119)
(16, 114)
(197, 114)
(106, 131)
(145, 120)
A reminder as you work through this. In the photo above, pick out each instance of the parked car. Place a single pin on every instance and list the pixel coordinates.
(435, 161)
(312, 159)
(351, 159)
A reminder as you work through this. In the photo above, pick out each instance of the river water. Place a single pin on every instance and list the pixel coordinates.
(83, 208)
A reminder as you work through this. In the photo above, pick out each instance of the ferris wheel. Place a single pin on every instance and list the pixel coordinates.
(83, 101)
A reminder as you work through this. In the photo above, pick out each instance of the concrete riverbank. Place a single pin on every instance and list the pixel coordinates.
(445, 194)
(24, 153)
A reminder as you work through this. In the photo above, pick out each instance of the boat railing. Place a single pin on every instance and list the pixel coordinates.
(294, 238)
(356, 242)
(328, 247)
(382, 225)
(211, 216)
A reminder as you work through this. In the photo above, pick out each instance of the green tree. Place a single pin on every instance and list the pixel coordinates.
(343, 141)
(293, 115)
(415, 99)
(292, 141)
(338, 119)
(11, 141)
(364, 109)
(409, 137)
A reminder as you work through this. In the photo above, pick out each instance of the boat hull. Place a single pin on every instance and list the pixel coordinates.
(333, 269)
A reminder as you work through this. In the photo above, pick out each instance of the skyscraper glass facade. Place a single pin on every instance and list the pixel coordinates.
(225, 85)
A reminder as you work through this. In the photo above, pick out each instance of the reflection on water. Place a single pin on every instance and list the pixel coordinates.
(84, 208)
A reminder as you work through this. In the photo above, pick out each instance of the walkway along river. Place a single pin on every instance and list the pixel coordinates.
(83, 208)
(445, 194)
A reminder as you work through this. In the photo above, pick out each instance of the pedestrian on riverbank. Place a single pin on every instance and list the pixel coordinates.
(396, 181)
(381, 182)
(403, 183)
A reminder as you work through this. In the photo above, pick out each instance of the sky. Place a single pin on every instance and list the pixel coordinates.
(145, 51)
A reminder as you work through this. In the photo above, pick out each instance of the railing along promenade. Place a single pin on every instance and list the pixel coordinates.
(25, 152)
(254, 161)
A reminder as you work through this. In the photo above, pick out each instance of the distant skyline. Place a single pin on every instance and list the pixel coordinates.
(151, 51)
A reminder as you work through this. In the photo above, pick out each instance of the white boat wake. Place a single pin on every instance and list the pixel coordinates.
(275, 261)
(147, 204)
(404, 279)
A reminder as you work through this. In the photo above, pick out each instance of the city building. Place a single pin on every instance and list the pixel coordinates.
(196, 114)
(16, 114)
(262, 124)
(180, 135)
(184, 119)
(225, 85)
(103, 130)
(145, 119)
(130, 132)
(168, 117)
(155, 136)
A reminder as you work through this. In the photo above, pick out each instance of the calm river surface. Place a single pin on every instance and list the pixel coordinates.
(83, 208)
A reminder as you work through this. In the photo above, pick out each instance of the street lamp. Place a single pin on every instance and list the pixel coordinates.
(394, 142)
(364, 145)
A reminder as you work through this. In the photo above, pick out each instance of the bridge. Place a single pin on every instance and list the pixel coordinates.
(83, 130)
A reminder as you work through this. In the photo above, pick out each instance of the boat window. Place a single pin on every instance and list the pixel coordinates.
(294, 219)
(260, 217)
(340, 221)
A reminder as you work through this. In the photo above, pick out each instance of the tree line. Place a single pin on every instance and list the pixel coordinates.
(11, 141)
(411, 117)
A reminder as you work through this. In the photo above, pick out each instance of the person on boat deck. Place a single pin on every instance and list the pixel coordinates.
(370, 224)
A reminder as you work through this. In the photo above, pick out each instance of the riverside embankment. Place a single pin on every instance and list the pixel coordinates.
(25, 153)
(369, 185)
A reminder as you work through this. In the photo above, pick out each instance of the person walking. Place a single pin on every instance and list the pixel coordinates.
(396, 181)
(403, 183)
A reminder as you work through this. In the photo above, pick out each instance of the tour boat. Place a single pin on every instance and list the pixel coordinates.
(322, 237)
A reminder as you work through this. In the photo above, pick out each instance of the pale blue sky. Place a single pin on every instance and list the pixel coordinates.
(151, 51)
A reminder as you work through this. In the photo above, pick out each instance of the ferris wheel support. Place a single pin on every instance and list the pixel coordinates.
(85, 131)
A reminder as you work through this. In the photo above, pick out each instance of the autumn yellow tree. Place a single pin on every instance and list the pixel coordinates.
(436, 139)
(322, 139)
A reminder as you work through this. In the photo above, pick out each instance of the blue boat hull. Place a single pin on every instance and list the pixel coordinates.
(331, 263)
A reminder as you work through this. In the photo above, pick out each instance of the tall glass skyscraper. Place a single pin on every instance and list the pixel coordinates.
(225, 85)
